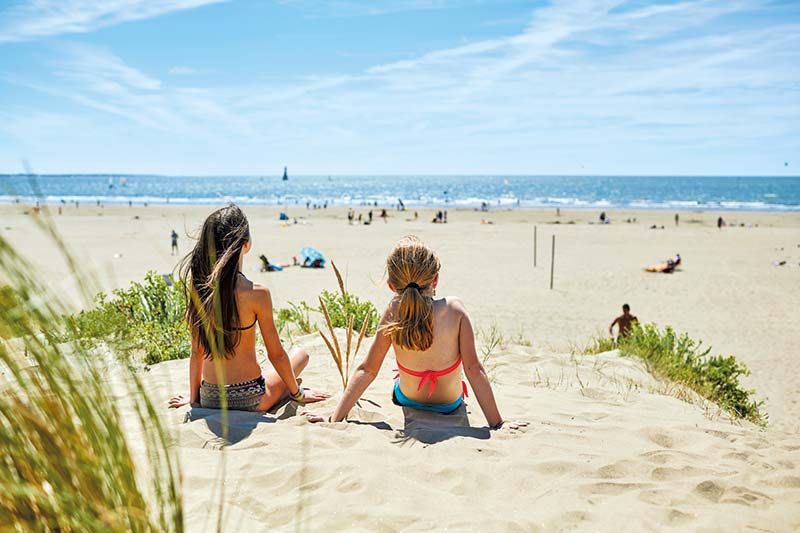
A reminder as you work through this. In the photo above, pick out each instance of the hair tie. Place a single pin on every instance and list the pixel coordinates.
(412, 285)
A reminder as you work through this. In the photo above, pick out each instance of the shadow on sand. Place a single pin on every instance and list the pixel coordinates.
(240, 424)
(431, 428)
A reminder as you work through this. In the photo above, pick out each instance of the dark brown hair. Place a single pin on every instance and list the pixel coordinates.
(209, 281)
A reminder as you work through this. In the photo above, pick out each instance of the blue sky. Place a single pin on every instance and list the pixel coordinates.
(400, 86)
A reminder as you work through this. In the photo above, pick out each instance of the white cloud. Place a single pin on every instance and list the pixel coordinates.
(585, 82)
(32, 19)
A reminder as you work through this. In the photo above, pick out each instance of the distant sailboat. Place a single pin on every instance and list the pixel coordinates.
(285, 175)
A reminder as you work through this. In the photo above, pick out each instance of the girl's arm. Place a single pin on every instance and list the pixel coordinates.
(476, 375)
(196, 361)
(364, 374)
(275, 352)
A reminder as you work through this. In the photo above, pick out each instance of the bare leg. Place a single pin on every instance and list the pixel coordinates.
(276, 388)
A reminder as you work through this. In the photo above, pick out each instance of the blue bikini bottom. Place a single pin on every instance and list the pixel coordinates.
(401, 399)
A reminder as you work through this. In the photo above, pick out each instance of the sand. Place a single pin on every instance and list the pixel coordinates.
(608, 447)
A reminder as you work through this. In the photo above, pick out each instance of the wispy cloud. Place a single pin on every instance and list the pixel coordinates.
(354, 8)
(31, 19)
(602, 83)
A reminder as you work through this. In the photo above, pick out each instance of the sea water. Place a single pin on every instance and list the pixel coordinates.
(596, 192)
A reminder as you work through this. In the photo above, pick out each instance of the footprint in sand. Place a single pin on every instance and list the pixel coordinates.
(710, 490)
(745, 496)
(618, 470)
(554, 468)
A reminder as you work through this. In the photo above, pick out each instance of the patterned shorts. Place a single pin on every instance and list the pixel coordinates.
(243, 396)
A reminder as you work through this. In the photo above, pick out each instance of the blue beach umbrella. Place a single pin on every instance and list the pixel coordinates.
(311, 255)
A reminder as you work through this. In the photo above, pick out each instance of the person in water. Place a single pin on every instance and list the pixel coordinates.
(432, 340)
(223, 308)
(624, 323)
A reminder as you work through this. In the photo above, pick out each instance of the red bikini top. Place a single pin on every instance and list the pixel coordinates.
(431, 376)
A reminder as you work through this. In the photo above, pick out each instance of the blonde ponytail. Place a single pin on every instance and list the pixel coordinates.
(412, 268)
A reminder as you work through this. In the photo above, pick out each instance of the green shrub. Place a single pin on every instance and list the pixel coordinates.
(146, 317)
(297, 314)
(341, 307)
(683, 360)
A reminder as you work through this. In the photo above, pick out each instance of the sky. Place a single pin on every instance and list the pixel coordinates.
(244, 87)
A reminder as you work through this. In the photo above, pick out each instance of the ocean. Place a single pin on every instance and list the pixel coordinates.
(568, 192)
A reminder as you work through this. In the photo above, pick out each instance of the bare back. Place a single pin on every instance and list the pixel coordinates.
(242, 365)
(443, 353)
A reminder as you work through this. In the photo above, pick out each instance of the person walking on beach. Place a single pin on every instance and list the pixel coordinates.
(174, 237)
(720, 223)
(426, 333)
(624, 323)
(677, 219)
(223, 308)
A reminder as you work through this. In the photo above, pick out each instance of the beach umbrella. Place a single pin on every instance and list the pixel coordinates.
(310, 255)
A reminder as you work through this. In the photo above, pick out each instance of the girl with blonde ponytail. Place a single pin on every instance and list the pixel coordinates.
(432, 340)
(223, 308)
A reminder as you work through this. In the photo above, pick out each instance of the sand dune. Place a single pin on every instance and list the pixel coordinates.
(605, 450)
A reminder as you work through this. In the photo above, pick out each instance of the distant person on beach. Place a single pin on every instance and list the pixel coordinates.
(384, 216)
(438, 218)
(720, 223)
(624, 323)
(677, 219)
(350, 216)
(432, 340)
(174, 238)
(266, 266)
(223, 308)
(603, 217)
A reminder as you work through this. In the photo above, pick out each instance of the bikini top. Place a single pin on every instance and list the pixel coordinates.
(248, 327)
(431, 376)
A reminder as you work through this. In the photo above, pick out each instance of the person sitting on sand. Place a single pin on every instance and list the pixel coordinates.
(624, 323)
(223, 308)
(432, 339)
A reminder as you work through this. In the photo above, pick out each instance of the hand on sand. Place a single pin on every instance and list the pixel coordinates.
(178, 401)
(315, 417)
(312, 396)
(512, 424)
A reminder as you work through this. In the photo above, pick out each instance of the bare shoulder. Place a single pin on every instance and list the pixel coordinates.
(255, 294)
(455, 305)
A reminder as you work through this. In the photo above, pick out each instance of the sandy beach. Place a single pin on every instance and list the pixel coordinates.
(607, 447)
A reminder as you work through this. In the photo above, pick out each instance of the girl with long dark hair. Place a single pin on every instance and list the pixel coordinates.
(223, 309)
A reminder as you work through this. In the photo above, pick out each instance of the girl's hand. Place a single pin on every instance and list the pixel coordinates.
(311, 396)
(315, 417)
(178, 401)
(510, 424)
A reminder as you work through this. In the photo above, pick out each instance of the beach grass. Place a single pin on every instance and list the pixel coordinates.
(346, 314)
(67, 463)
(680, 359)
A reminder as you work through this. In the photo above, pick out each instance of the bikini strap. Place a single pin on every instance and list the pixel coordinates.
(431, 376)
(250, 326)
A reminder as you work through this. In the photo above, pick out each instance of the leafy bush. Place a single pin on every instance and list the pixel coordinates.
(145, 317)
(297, 314)
(341, 307)
(683, 360)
